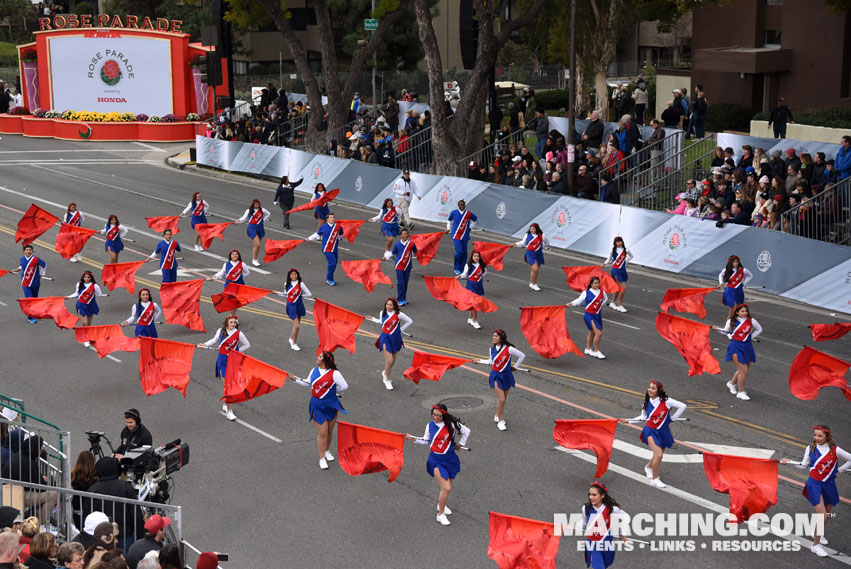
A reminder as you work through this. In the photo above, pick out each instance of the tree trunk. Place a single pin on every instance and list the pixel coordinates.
(602, 92)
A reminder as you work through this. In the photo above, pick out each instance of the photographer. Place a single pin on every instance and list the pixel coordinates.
(134, 435)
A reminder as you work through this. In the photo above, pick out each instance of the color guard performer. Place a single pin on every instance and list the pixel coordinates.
(393, 322)
(741, 332)
(403, 252)
(534, 242)
(167, 250)
(74, 217)
(228, 339)
(501, 377)
(295, 292)
(144, 314)
(325, 383)
(233, 270)
(198, 208)
(458, 225)
(32, 269)
(389, 217)
(594, 299)
(320, 213)
(255, 215)
(114, 231)
(599, 547)
(86, 293)
(618, 258)
(474, 271)
(330, 232)
(733, 279)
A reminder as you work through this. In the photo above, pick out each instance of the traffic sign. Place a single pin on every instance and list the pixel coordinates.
(370, 25)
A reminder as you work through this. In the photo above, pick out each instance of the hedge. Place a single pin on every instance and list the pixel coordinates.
(727, 116)
(831, 117)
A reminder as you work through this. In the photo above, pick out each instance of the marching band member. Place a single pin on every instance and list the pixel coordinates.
(599, 549)
(393, 323)
(74, 217)
(86, 293)
(295, 291)
(458, 225)
(534, 242)
(32, 269)
(233, 270)
(324, 382)
(822, 458)
(198, 208)
(144, 314)
(403, 252)
(594, 299)
(733, 279)
(330, 232)
(474, 271)
(656, 412)
(501, 377)
(167, 250)
(227, 338)
(618, 258)
(320, 213)
(740, 351)
(255, 215)
(114, 231)
(388, 215)
(443, 464)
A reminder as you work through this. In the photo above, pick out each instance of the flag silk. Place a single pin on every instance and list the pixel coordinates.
(448, 289)
(322, 200)
(236, 296)
(822, 332)
(34, 222)
(492, 253)
(121, 275)
(351, 228)
(208, 231)
(160, 224)
(750, 482)
(521, 543)
(427, 244)
(366, 450)
(3, 272)
(686, 300)
(546, 331)
(691, 339)
(335, 327)
(52, 307)
(275, 249)
(366, 272)
(247, 378)
(164, 364)
(597, 435)
(71, 238)
(431, 366)
(578, 278)
(813, 370)
(106, 339)
(181, 303)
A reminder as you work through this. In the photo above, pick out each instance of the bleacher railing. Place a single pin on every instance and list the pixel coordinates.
(825, 217)
(488, 154)
(54, 462)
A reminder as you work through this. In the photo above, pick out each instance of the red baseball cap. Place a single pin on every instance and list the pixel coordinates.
(156, 522)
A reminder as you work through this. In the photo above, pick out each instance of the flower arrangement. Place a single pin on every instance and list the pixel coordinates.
(155, 118)
(128, 117)
(39, 113)
(170, 118)
(19, 111)
(52, 114)
(193, 117)
(142, 117)
(66, 114)
(29, 55)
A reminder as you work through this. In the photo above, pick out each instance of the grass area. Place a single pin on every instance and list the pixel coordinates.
(7, 48)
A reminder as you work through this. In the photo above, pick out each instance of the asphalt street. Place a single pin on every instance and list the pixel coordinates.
(253, 488)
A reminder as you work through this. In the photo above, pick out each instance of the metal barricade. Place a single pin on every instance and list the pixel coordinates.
(825, 217)
(418, 154)
(488, 154)
(18, 442)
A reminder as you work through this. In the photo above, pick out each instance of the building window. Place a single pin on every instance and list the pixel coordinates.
(772, 38)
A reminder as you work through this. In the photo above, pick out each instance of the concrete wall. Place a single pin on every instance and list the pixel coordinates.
(801, 132)
(665, 83)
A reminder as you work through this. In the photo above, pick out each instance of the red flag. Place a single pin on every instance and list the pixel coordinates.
(275, 249)
(448, 289)
(366, 272)
(181, 303)
(579, 277)
(492, 253)
(106, 339)
(351, 228)
(34, 222)
(812, 370)
(546, 331)
(209, 231)
(236, 296)
(593, 434)
(431, 366)
(692, 341)
(121, 275)
(521, 543)
(335, 327)
(426, 246)
(3, 272)
(320, 201)
(247, 378)
(366, 450)
(160, 224)
(750, 482)
(49, 307)
(71, 238)
(822, 332)
(164, 364)
(686, 300)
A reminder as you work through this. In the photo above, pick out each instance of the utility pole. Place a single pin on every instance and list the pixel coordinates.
(571, 120)
(374, 60)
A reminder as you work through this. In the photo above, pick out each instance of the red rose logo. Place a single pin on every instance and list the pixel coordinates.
(110, 73)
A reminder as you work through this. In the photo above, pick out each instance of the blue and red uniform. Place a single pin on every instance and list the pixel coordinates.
(167, 250)
(403, 252)
(460, 222)
(31, 270)
(324, 403)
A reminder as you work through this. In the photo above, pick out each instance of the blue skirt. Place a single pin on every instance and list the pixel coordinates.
(296, 309)
(116, 246)
(476, 287)
(221, 365)
(169, 275)
(815, 490)
(504, 380)
(744, 350)
(321, 212)
(196, 219)
(390, 342)
(597, 319)
(601, 556)
(239, 281)
(447, 464)
(533, 257)
(620, 274)
(89, 309)
(662, 436)
(390, 229)
(256, 230)
(149, 331)
(321, 410)
(733, 296)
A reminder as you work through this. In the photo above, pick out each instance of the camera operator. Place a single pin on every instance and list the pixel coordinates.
(131, 523)
(134, 435)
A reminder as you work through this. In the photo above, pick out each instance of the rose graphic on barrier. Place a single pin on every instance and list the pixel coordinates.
(110, 73)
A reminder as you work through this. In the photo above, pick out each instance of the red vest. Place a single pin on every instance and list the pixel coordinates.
(743, 330)
(658, 416)
(405, 258)
(229, 343)
(736, 278)
(256, 217)
(824, 466)
(323, 384)
(535, 243)
(389, 216)
(88, 294)
(294, 293)
(113, 232)
(502, 360)
(199, 208)
(147, 315)
(596, 305)
(441, 442)
(391, 324)
(462, 226)
(476, 274)
(29, 273)
(332, 239)
(620, 260)
(235, 271)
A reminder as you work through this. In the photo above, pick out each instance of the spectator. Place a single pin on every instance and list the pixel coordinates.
(24, 467)
(585, 186)
(153, 541)
(86, 537)
(779, 116)
(746, 161)
(10, 519)
(831, 176)
(515, 117)
(621, 101)
(792, 159)
(355, 106)
(681, 110)
(818, 168)
(169, 557)
(29, 529)
(671, 115)
(207, 560)
(842, 160)
(681, 205)
(608, 192)
(791, 178)
(593, 135)
(134, 434)
(691, 208)
(540, 183)
(639, 95)
(386, 155)
(370, 157)
(152, 563)
(473, 171)
(777, 166)
(557, 184)
(738, 216)
(5, 99)
(614, 160)
(530, 105)
(701, 109)
(70, 555)
(130, 523)
(541, 125)
(105, 540)
(8, 550)
(391, 112)
(42, 548)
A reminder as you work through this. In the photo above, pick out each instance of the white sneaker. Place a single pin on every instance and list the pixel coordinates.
(734, 388)
(533, 286)
(448, 512)
(620, 308)
(328, 456)
(323, 464)
(444, 521)
(476, 325)
(656, 483)
(495, 419)
(87, 344)
(74, 259)
(388, 255)
(199, 248)
(599, 355)
(387, 383)
(255, 262)
(743, 395)
(224, 408)
(819, 550)
(589, 352)
(470, 321)
(823, 540)
(649, 472)
(230, 416)
(294, 346)
(501, 426)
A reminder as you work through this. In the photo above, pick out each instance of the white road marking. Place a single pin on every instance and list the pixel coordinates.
(609, 320)
(646, 453)
(99, 150)
(180, 272)
(60, 161)
(3, 303)
(149, 146)
(735, 451)
(256, 430)
(109, 356)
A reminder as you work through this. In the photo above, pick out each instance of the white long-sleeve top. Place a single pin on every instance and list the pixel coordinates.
(214, 341)
(728, 328)
(522, 242)
(245, 216)
(465, 434)
(122, 231)
(678, 407)
(823, 449)
(305, 292)
(449, 225)
(466, 272)
(339, 380)
(597, 511)
(610, 261)
(404, 318)
(381, 214)
(402, 187)
(745, 281)
(189, 208)
(77, 291)
(245, 271)
(134, 317)
(581, 298)
(511, 350)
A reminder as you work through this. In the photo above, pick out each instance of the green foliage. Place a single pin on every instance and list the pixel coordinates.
(650, 80)
(401, 48)
(83, 8)
(245, 14)
(841, 6)
(727, 116)
(553, 99)
(22, 20)
(8, 55)
(831, 117)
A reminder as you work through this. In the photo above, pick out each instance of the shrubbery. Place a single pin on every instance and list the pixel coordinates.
(831, 117)
(727, 116)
